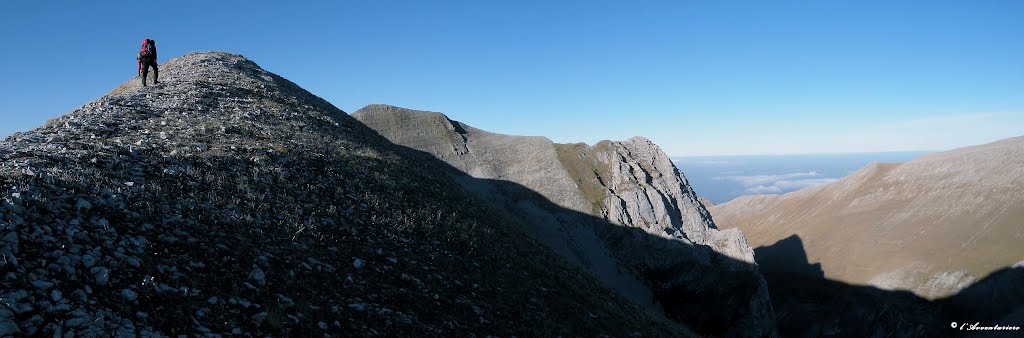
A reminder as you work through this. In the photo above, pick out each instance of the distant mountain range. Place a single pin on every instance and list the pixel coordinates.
(723, 178)
(932, 225)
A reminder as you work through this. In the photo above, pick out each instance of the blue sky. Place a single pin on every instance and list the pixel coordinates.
(696, 77)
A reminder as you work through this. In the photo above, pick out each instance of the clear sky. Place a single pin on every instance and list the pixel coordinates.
(696, 77)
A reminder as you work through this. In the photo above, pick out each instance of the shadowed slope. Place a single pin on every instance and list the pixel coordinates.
(809, 305)
(227, 200)
(932, 225)
(615, 191)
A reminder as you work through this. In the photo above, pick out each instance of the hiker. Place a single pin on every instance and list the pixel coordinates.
(147, 58)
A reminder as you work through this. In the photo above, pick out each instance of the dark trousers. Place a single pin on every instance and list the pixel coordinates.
(146, 63)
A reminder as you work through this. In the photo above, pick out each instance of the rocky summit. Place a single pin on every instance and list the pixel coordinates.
(620, 210)
(227, 201)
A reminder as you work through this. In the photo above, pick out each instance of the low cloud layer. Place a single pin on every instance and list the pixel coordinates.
(777, 184)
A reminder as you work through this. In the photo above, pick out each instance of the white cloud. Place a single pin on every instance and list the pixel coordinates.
(753, 180)
(777, 184)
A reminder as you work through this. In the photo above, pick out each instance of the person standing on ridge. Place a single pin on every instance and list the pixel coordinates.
(147, 58)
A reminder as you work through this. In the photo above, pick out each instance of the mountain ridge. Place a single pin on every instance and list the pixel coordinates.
(227, 200)
(622, 186)
(919, 214)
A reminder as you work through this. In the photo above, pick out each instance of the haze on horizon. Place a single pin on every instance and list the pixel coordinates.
(697, 78)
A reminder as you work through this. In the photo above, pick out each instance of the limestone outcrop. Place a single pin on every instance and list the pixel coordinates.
(620, 210)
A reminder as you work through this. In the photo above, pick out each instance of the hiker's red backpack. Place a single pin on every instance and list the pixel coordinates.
(148, 50)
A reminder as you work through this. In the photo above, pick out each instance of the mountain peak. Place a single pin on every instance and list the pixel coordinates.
(205, 76)
(197, 66)
(228, 200)
(201, 95)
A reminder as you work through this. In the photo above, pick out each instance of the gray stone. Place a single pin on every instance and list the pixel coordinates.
(258, 318)
(82, 204)
(42, 285)
(9, 243)
(258, 276)
(249, 165)
(100, 274)
(129, 295)
(601, 194)
(8, 327)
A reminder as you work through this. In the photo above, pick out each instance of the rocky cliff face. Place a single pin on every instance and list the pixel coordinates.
(229, 201)
(621, 210)
(633, 183)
